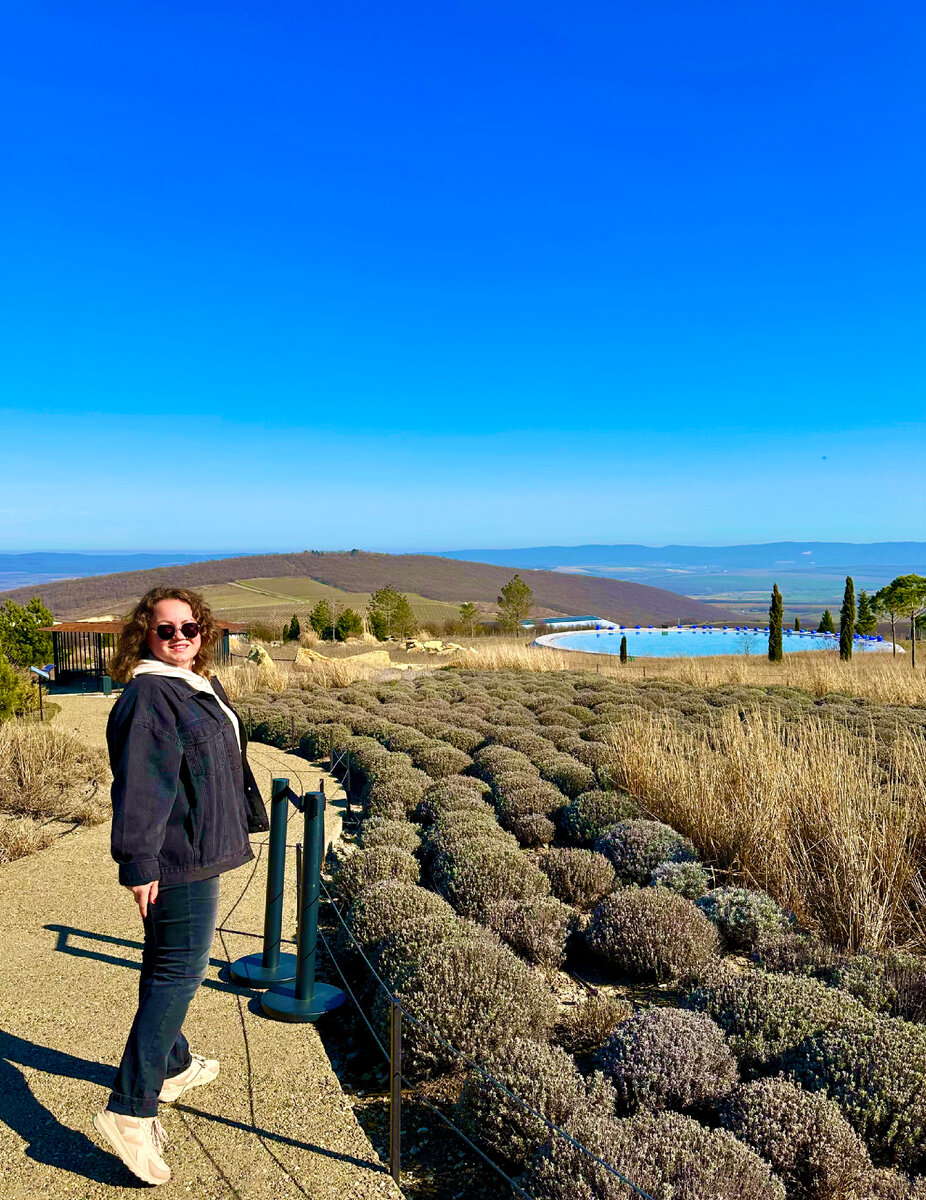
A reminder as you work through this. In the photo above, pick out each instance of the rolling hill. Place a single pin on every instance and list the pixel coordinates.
(432, 578)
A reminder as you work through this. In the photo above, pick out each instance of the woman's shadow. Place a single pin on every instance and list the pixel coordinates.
(47, 1140)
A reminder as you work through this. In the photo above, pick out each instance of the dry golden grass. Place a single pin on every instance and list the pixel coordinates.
(47, 773)
(20, 836)
(806, 810)
(242, 678)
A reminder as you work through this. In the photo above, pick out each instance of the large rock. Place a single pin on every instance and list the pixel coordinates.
(260, 656)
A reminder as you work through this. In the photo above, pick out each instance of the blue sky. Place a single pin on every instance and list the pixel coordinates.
(421, 276)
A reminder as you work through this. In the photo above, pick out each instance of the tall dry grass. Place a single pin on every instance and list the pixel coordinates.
(806, 810)
(517, 656)
(871, 676)
(46, 775)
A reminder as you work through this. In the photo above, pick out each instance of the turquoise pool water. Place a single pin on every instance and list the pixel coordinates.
(695, 643)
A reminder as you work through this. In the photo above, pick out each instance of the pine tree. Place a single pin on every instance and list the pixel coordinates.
(866, 622)
(294, 630)
(469, 615)
(847, 620)
(775, 618)
(797, 624)
(826, 623)
(348, 625)
(514, 604)
(623, 649)
(322, 620)
(390, 614)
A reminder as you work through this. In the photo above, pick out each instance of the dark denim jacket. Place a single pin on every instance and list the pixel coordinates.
(184, 798)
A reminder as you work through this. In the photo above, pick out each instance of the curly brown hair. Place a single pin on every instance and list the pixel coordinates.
(133, 640)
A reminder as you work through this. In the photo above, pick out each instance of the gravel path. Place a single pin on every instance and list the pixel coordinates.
(274, 1124)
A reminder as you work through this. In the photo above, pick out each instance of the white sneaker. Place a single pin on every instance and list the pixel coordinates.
(139, 1142)
(201, 1070)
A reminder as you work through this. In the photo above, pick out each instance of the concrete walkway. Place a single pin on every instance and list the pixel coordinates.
(274, 1124)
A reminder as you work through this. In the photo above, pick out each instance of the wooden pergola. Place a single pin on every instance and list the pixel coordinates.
(82, 651)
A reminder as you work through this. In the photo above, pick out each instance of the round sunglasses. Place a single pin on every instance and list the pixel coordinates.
(165, 631)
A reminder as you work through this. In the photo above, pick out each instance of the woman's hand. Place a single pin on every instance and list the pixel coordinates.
(145, 894)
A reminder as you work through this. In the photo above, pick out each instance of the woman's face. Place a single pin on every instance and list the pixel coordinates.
(177, 650)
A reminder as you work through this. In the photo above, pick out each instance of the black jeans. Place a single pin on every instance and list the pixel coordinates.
(179, 929)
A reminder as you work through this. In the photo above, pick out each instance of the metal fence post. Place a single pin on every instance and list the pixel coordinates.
(270, 967)
(395, 1091)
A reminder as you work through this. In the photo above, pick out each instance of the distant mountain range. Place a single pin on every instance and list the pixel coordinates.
(900, 557)
(810, 574)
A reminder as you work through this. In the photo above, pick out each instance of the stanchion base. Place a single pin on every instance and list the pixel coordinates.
(282, 1004)
(251, 971)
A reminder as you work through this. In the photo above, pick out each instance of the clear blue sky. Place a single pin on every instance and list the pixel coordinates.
(434, 275)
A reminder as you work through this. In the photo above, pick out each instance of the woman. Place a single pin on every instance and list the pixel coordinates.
(184, 802)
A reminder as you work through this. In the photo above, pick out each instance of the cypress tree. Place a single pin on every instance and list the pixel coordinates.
(292, 634)
(866, 622)
(826, 623)
(623, 649)
(775, 618)
(847, 620)
(797, 624)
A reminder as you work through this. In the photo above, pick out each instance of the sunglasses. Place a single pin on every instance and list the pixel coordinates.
(189, 629)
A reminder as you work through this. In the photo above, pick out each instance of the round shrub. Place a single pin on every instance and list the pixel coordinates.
(479, 876)
(579, 877)
(455, 792)
(536, 929)
(805, 1137)
(665, 1154)
(570, 776)
(439, 760)
(463, 827)
(405, 738)
(874, 1070)
(385, 908)
(587, 1025)
(584, 818)
(392, 795)
(793, 953)
(397, 954)
(315, 741)
(743, 916)
(533, 830)
(652, 933)
(637, 848)
(689, 879)
(476, 997)
(490, 760)
(535, 797)
(668, 1058)
(764, 1016)
(364, 867)
(544, 1077)
(382, 832)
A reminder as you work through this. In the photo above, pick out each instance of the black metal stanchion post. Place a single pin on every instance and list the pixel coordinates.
(395, 1092)
(270, 967)
(307, 1000)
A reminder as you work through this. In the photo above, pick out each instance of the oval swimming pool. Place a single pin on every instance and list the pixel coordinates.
(695, 643)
